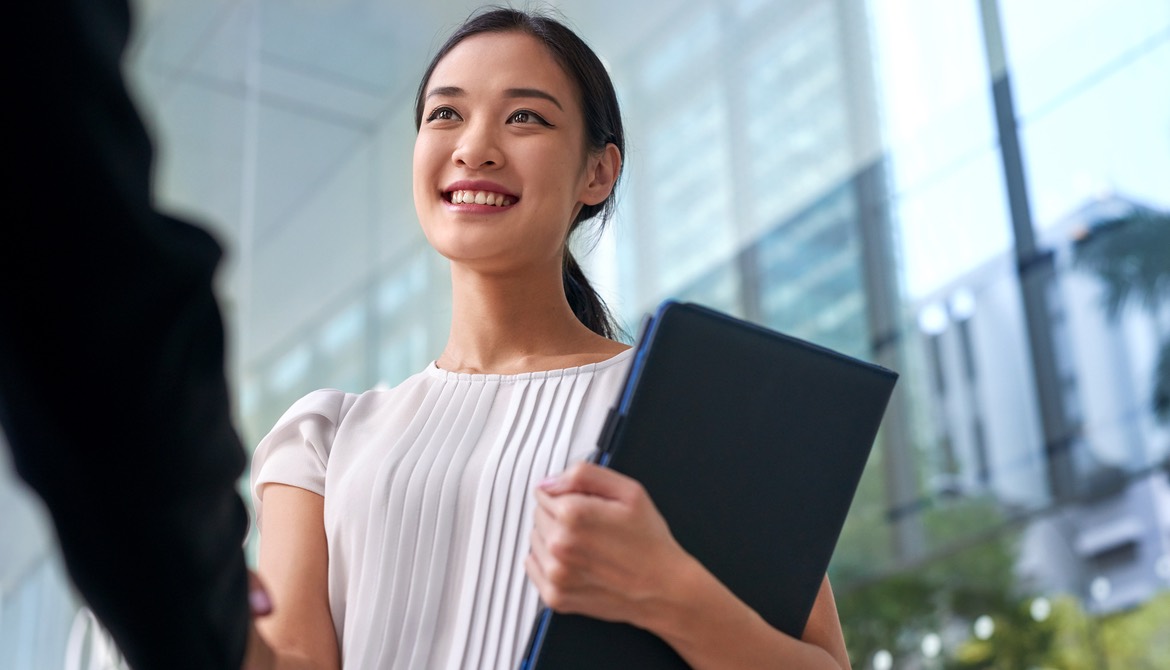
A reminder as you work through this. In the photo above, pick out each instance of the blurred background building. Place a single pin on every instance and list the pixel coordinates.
(974, 193)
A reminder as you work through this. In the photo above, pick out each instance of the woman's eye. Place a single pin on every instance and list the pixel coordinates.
(525, 116)
(442, 114)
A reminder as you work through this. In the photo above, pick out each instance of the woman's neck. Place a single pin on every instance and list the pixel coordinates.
(517, 323)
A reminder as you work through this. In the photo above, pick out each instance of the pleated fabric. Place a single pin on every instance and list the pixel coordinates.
(428, 503)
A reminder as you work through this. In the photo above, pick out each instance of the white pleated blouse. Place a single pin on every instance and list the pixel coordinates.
(428, 503)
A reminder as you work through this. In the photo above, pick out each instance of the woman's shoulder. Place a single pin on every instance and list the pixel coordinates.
(327, 403)
(334, 404)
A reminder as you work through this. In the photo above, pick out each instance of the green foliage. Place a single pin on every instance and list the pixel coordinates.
(894, 612)
(1131, 256)
(1017, 641)
(1138, 638)
(968, 579)
(1071, 639)
(886, 613)
(980, 577)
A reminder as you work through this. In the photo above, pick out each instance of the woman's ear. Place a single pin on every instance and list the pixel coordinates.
(603, 170)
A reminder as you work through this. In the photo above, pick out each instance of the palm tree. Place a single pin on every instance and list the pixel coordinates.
(1130, 253)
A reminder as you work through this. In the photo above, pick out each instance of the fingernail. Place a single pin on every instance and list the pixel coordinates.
(549, 483)
(259, 602)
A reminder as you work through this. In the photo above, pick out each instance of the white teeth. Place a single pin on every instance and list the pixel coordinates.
(481, 198)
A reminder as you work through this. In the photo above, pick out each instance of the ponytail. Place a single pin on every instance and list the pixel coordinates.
(585, 301)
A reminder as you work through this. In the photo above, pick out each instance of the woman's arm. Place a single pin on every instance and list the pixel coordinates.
(294, 564)
(600, 548)
(711, 628)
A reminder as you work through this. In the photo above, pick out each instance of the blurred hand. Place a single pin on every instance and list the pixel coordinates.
(258, 655)
(258, 600)
(601, 548)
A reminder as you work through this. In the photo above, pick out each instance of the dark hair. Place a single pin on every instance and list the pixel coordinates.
(603, 125)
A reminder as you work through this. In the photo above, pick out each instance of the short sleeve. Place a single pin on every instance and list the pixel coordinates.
(296, 450)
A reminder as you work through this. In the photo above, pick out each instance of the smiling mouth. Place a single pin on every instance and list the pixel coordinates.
(479, 198)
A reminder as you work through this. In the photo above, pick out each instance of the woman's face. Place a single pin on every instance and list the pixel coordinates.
(500, 164)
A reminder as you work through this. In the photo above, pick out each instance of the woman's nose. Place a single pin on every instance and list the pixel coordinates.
(478, 148)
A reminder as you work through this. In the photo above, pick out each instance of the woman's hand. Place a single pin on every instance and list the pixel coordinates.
(601, 548)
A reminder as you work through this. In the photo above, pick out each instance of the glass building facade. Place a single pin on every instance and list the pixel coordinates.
(969, 192)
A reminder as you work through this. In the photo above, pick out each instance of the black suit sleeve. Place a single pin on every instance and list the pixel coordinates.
(113, 395)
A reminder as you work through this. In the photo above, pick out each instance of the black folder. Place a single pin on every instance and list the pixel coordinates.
(751, 444)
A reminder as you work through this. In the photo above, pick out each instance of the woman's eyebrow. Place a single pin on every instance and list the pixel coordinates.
(446, 91)
(532, 93)
(456, 92)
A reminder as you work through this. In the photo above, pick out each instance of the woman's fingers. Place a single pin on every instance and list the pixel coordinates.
(564, 589)
(562, 541)
(599, 546)
(590, 479)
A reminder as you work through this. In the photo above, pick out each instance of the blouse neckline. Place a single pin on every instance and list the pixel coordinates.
(446, 375)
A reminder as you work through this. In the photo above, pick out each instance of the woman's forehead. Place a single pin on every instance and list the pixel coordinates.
(500, 61)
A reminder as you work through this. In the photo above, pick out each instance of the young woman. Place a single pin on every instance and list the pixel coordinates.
(419, 527)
